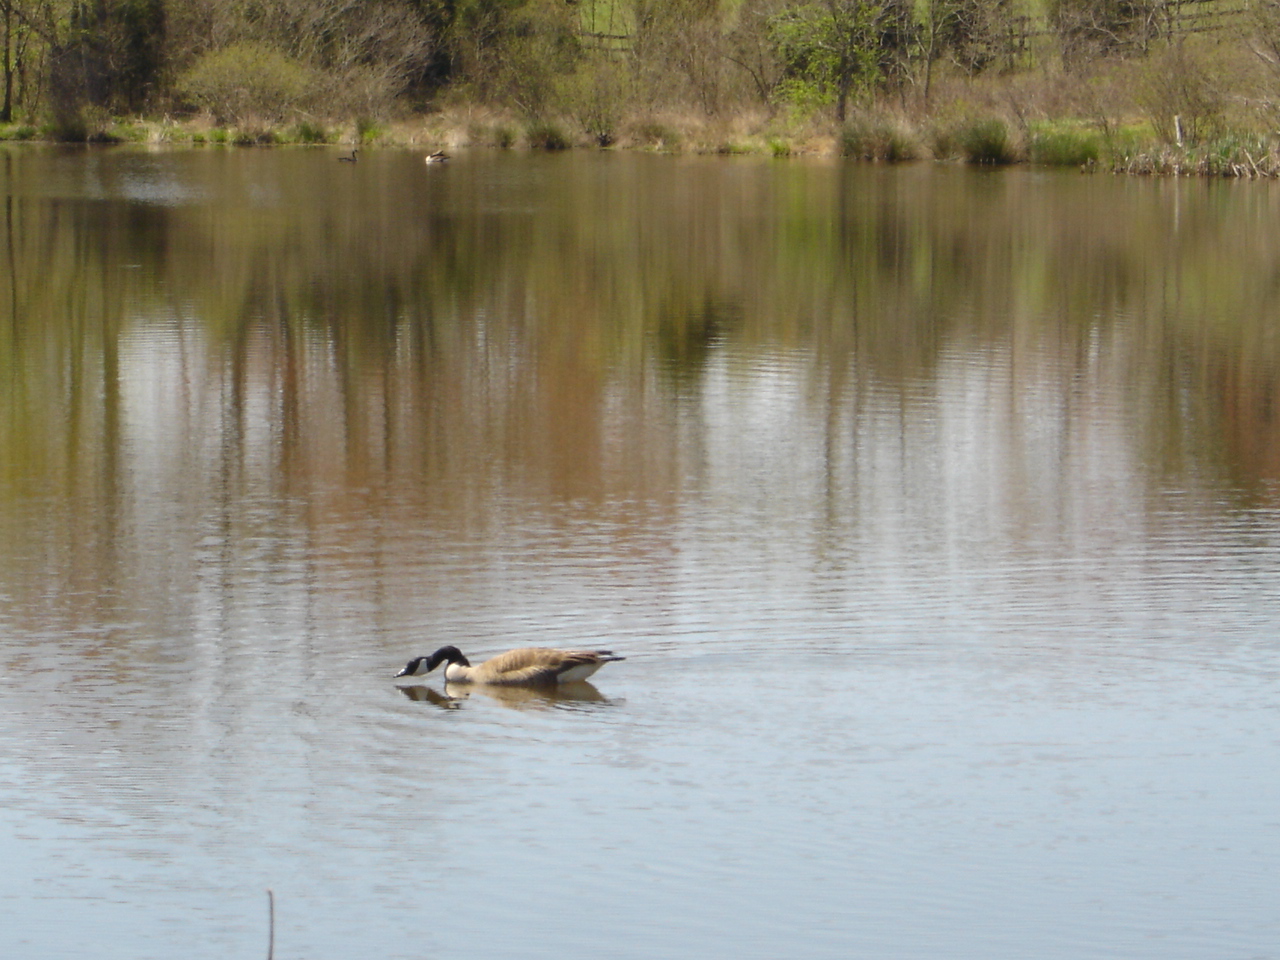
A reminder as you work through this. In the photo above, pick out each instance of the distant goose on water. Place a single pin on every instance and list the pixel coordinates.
(438, 157)
(527, 666)
(350, 159)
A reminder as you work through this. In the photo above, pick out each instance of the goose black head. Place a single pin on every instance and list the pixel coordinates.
(421, 666)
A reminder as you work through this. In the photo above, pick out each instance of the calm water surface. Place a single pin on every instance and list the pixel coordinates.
(937, 513)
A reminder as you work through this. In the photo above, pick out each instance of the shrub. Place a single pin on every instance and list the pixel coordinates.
(1182, 95)
(596, 97)
(247, 81)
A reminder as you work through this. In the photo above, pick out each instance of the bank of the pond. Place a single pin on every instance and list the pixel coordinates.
(987, 139)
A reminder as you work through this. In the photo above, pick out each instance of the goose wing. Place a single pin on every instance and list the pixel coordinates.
(538, 664)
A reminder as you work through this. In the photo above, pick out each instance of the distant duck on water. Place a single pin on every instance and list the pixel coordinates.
(350, 159)
(438, 157)
(526, 666)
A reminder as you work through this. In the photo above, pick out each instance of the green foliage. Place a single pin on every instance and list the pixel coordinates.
(308, 132)
(128, 133)
(108, 55)
(737, 148)
(1227, 155)
(16, 131)
(986, 141)
(1065, 147)
(595, 96)
(970, 31)
(504, 137)
(829, 50)
(804, 99)
(516, 52)
(72, 127)
(247, 82)
(367, 130)
(254, 137)
(545, 135)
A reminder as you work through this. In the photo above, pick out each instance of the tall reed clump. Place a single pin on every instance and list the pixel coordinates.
(885, 140)
(545, 135)
(1237, 156)
(987, 141)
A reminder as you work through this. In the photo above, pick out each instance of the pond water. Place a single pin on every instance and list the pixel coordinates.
(936, 511)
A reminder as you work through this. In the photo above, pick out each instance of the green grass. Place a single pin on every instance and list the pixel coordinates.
(308, 132)
(1065, 146)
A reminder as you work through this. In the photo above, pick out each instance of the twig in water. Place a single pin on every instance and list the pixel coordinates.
(271, 923)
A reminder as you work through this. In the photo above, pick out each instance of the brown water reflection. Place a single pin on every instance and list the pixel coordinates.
(220, 328)
(533, 330)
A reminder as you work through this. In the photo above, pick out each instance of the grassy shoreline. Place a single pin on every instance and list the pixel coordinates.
(873, 136)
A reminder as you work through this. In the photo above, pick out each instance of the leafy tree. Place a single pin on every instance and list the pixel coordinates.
(20, 47)
(829, 50)
(513, 52)
(108, 55)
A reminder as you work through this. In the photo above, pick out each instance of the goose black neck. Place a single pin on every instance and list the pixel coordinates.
(447, 655)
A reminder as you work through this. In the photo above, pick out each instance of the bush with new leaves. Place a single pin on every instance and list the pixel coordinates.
(248, 82)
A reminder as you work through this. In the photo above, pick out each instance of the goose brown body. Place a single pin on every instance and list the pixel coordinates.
(527, 666)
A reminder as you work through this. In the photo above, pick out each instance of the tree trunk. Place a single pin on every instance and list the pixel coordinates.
(6, 109)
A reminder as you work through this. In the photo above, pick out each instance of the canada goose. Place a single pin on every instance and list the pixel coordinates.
(350, 159)
(526, 666)
(438, 157)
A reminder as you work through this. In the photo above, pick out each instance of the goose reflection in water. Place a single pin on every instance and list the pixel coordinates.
(565, 696)
(425, 694)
